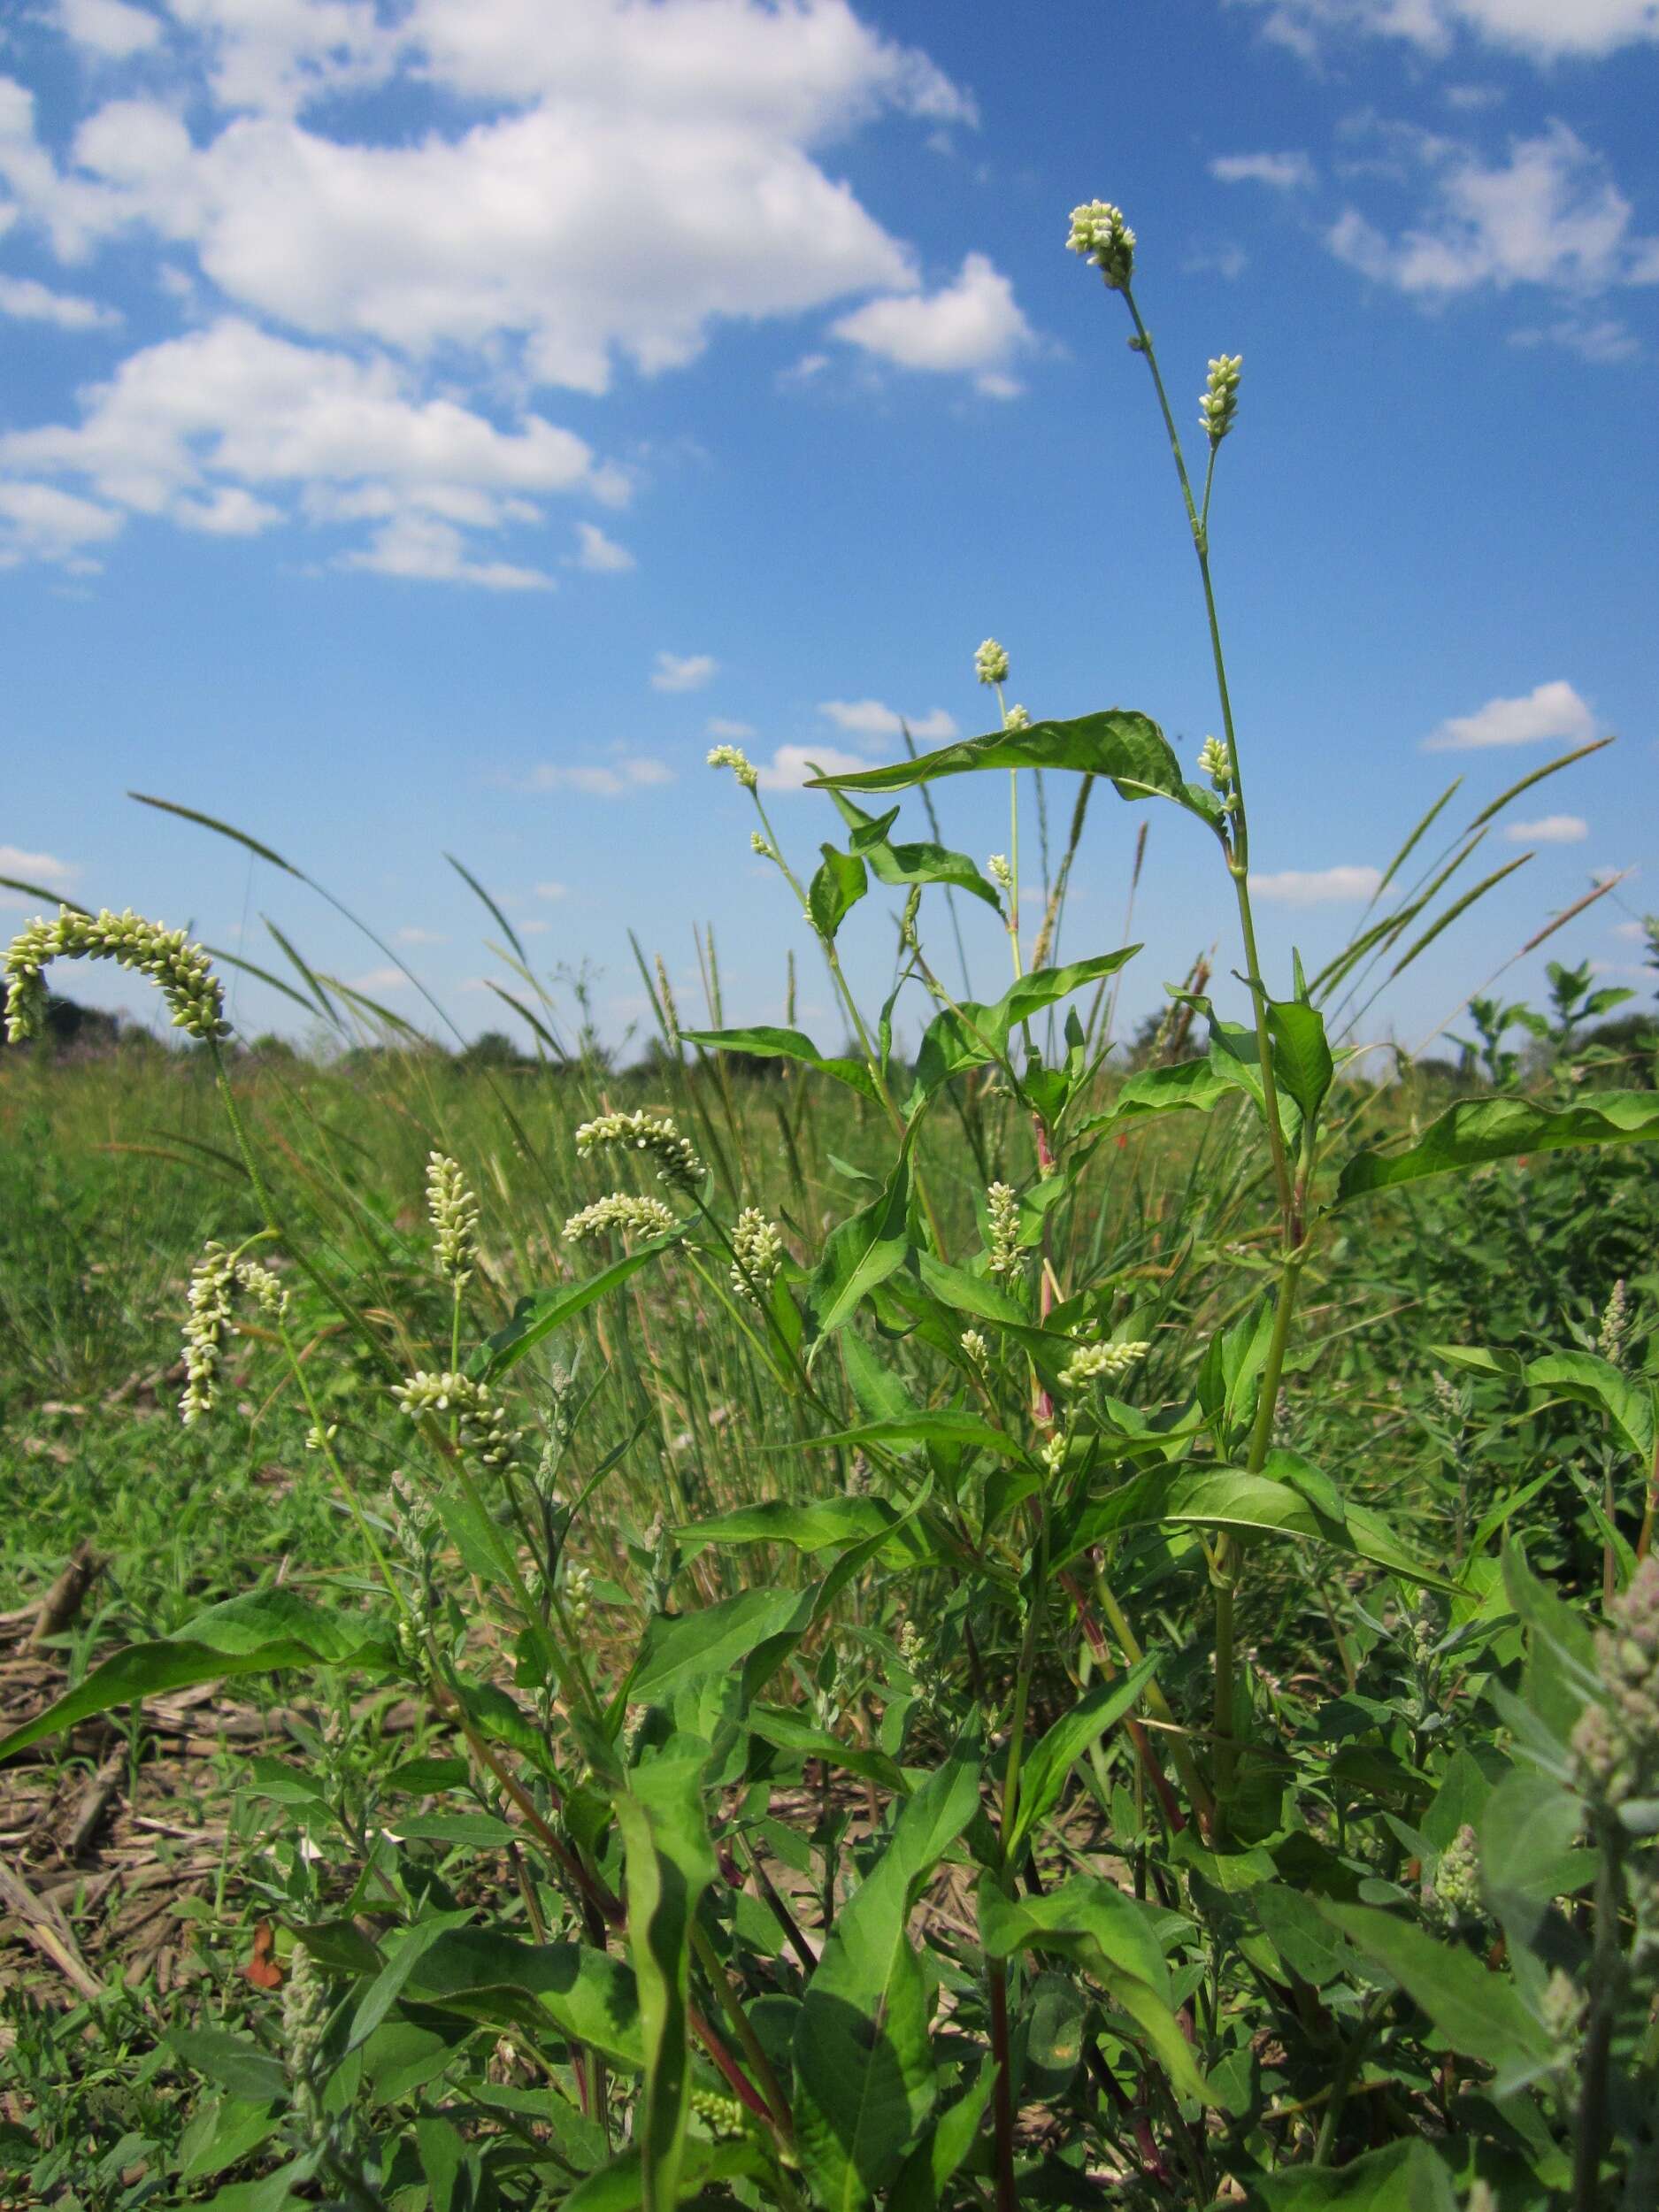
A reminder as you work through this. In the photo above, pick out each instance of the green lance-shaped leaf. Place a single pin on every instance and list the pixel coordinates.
(536, 1317)
(1043, 1774)
(1110, 1936)
(1629, 1402)
(1301, 1058)
(669, 1863)
(969, 1035)
(1126, 747)
(1477, 1130)
(861, 1252)
(905, 864)
(1478, 2012)
(820, 1525)
(254, 1634)
(787, 1044)
(1193, 1086)
(837, 888)
(1400, 2177)
(926, 2174)
(684, 1648)
(620, 2186)
(864, 2061)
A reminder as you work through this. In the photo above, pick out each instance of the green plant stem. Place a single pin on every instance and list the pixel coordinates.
(1606, 1983)
(1347, 2066)
(720, 1982)
(1239, 851)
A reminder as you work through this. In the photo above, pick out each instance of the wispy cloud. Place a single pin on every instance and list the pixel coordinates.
(413, 933)
(1286, 173)
(552, 891)
(791, 766)
(599, 554)
(874, 717)
(628, 773)
(1318, 886)
(1550, 829)
(45, 869)
(1551, 711)
(732, 732)
(26, 300)
(683, 671)
(1543, 30)
(378, 979)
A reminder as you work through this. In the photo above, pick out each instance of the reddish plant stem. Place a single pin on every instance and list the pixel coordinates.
(1002, 2096)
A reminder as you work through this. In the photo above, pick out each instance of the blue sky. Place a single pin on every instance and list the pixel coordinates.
(428, 428)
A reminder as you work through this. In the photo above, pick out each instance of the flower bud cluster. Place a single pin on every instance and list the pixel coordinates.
(453, 1211)
(1614, 1324)
(758, 1244)
(306, 2010)
(677, 1162)
(671, 1012)
(1220, 401)
(990, 662)
(1002, 1205)
(721, 2116)
(483, 1428)
(579, 1596)
(635, 1217)
(1616, 1744)
(1100, 234)
(1000, 874)
(214, 1280)
(179, 968)
(1215, 760)
(1017, 718)
(975, 1346)
(1452, 1895)
(733, 758)
(1100, 1362)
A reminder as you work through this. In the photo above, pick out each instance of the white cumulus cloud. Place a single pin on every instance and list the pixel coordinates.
(717, 725)
(973, 327)
(1550, 712)
(38, 522)
(683, 671)
(1551, 829)
(44, 870)
(1317, 886)
(109, 27)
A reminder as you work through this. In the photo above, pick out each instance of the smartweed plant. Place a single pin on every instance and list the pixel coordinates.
(947, 1829)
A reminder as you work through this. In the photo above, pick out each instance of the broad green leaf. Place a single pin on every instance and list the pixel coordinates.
(1478, 2012)
(1187, 1086)
(223, 2134)
(236, 2064)
(1127, 748)
(1246, 1504)
(1110, 1936)
(786, 1729)
(1052, 1758)
(620, 2186)
(787, 1044)
(939, 2156)
(1292, 1924)
(911, 864)
(580, 1994)
(1529, 1831)
(1477, 1130)
(1402, 2178)
(1627, 1399)
(537, 1317)
(862, 1253)
(669, 1863)
(964, 1293)
(681, 1648)
(969, 1035)
(837, 888)
(946, 1424)
(254, 1634)
(1301, 1058)
(817, 1526)
(864, 2061)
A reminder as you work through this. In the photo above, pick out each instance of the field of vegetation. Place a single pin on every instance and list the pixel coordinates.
(1053, 1621)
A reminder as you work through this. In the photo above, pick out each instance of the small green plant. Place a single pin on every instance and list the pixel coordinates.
(948, 1829)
